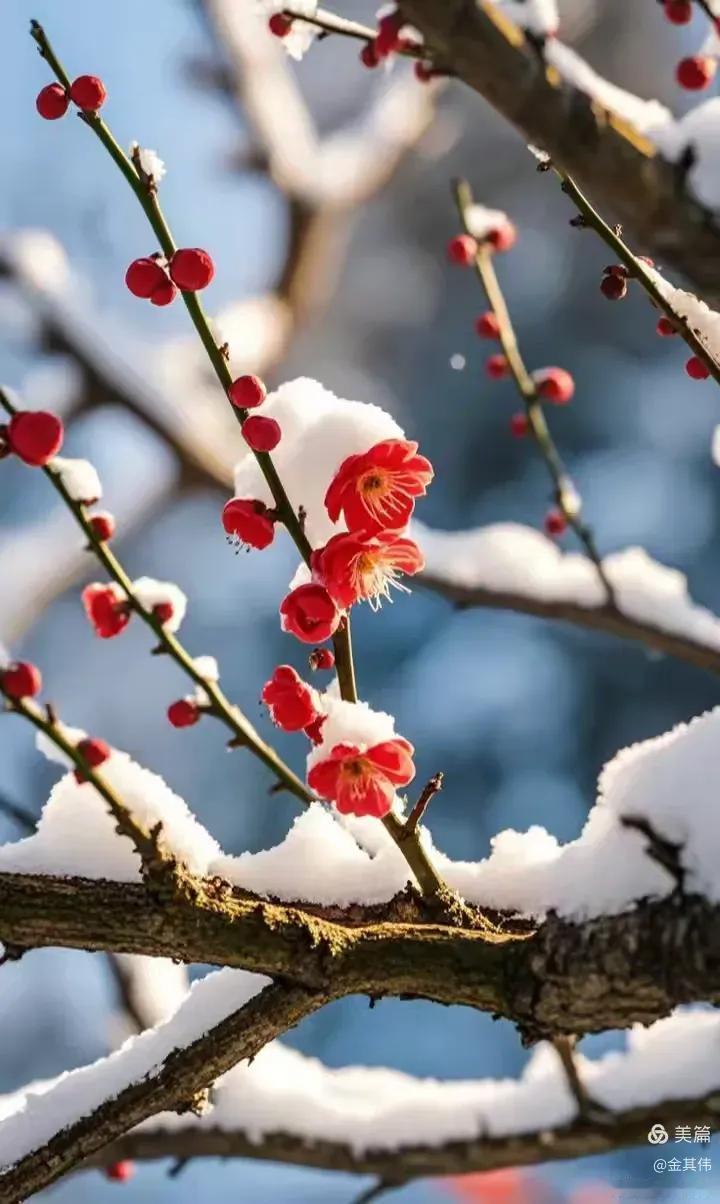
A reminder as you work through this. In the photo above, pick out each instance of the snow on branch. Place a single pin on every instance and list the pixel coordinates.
(226, 1017)
(287, 1107)
(509, 566)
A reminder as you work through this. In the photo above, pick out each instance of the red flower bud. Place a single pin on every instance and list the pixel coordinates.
(519, 425)
(120, 1172)
(678, 11)
(503, 237)
(95, 752)
(665, 327)
(249, 521)
(35, 436)
(555, 523)
(107, 610)
(163, 611)
(52, 102)
(554, 384)
(280, 25)
(247, 392)
(21, 680)
(321, 658)
(696, 72)
(462, 250)
(496, 367)
(102, 525)
(183, 713)
(191, 269)
(261, 434)
(309, 613)
(88, 93)
(144, 276)
(289, 700)
(613, 286)
(487, 325)
(696, 369)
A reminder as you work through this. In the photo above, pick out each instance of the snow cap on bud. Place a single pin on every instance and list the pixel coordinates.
(52, 102)
(292, 703)
(309, 613)
(21, 680)
(554, 384)
(95, 752)
(35, 436)
(88, 92)
(191, 269)
(261, 434)
(246, 392)
(183, 713)
(249, 522)
(462, 250)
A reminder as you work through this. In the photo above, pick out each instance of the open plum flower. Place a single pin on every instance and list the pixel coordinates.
(356, 567)
(363, 781)
(376, 491)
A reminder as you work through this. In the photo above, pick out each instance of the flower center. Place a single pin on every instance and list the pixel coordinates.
(373, 483)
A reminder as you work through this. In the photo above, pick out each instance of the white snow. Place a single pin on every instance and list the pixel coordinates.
(50, 750)
(76, 833)
(349, 723)
(511, 558)
(156, 985)
(715, 446)
(150, 161)
(376, 1108)
(319, 431)
(31, 1118)
(79, 477)
(302, 35)
(152, 593)
(703, 320)
(647, 116)
(480, 221)
(539, 17)
(38, 257)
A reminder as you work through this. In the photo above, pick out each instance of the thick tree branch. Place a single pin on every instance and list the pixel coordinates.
(597, 618)
(186, 1071)
(619, 168)
(561, 978)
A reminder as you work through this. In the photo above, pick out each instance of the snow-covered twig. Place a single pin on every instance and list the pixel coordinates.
(565, 494)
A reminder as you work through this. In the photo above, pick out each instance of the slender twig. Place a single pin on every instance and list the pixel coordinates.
(145, 843)
(218, 705)
(428, 794)
(588, 1108)
(329, 23)
(375, 1190)
(638, 271)
(416, 857)
(566, 495)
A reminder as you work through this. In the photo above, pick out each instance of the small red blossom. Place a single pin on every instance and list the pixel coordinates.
(21, 680)
(321, 658)
(144, 276)
(487, 325)
(289, 700)
(309, 613)
(52, 102)
(368, 56)
(519, 425)
(88, 92)
(613, 286)
(120, 1172)
(376, 490)
(261, 434)
(35, 436)
(354, 566)
(313, 731)
(696, 72)
(164, 294)
(280, 25)
(247, 392)
(249, 522)
(665, 328)
(103, 525)
(678, 11)
(183, 713)
(387, 39)
(108, 613)
(554, 384)
(95, 752)
(696, 369)
(555, 523)
(362, 782)
(191, 269)
(496, 367)
(502, 237)
(462, 250)
(163, 611)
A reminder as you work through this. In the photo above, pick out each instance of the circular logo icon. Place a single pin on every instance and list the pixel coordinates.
(658, 1135)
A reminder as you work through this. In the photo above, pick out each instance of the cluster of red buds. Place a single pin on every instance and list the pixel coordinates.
(696, 71)
(614, 286)
(157, 279)
(87, 92)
